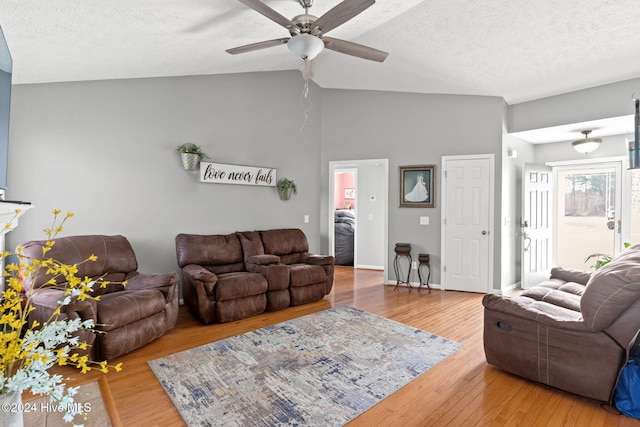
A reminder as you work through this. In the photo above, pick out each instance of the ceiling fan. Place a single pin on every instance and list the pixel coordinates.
(308, 32)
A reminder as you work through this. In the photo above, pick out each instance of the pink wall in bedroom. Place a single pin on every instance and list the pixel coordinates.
(344, 180)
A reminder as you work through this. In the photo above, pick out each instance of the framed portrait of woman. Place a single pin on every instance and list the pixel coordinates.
(417, 186)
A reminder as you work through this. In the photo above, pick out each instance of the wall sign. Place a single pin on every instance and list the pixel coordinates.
(218, 173)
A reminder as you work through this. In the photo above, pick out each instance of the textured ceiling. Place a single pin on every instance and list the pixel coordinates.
(520, 50)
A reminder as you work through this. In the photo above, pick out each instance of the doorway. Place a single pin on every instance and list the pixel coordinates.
(366, 199)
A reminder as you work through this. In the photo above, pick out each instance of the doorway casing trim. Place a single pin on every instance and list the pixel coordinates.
(353, 164)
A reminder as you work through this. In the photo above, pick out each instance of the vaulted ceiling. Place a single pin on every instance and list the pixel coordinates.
(516, 49)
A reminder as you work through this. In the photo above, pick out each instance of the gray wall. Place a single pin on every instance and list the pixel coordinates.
(600, 102)
(105, 151)
(411, 129)
(372, 181)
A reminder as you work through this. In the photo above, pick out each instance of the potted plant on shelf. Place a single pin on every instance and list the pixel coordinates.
(190, 155)
(285, 188)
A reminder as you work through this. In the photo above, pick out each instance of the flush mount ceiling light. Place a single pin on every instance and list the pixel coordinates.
(586, 145)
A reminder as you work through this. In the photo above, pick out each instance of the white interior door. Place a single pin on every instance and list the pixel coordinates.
(536, 225)
(467, 218)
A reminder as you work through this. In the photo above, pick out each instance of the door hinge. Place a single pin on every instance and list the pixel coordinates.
(444, 268)
(444, 173)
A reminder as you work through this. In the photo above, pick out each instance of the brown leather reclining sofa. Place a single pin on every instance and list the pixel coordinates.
(239, 275)
(132, 316)
(573, 331)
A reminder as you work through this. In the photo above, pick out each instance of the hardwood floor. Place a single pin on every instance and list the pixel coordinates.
(463, 390)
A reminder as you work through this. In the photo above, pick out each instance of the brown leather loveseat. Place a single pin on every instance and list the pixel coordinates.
(234, 276)
(573, 331)
(132, 316)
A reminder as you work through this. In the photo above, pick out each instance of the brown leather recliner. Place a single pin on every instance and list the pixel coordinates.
(310, 275)
(216, 286)
(239, 275)
(573, 331)
(132, 316)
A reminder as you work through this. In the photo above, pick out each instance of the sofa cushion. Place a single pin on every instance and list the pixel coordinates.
(570, 275)
(101, 289)
(284, 241)
(251, 244)
(123, 308)
(304, 275)
(114, 255)
(219, 253)
(563, 295)
(611, 290)
(239, 285)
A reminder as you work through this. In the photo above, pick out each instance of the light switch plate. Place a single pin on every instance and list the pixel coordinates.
(424, 220)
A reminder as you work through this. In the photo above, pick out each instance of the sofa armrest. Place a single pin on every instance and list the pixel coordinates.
(570, 275)
(537, 311)
(47, 300)
(264, 259)
(193, 272)
(137, 281)
(317, 259)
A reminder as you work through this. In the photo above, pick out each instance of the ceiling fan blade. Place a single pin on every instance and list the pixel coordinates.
(339, 14)
(354, 49)
(257, 46)
(265, 10)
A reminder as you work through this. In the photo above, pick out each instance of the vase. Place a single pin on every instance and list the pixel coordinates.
(11, 409)
(285, 194)
(190, 161)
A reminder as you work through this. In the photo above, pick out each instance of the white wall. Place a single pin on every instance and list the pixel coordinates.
(105, 150)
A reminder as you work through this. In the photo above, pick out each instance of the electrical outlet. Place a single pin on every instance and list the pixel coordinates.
(424, 220)
(414, 265)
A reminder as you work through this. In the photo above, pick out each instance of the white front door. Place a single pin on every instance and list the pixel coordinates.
(535, 224)
(467, 215)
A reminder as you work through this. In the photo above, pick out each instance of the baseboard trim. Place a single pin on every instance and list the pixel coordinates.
(413, 284)
(369, 267)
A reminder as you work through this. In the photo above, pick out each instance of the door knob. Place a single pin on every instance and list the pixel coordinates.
(484, 232)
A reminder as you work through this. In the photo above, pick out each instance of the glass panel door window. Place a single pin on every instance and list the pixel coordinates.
(587, 204)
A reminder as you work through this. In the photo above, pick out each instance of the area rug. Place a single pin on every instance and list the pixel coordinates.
(323, 369)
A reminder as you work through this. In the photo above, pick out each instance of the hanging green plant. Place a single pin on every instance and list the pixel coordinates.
(190, 154)
(286, 187)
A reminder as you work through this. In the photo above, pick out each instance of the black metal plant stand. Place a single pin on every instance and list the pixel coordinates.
(403, 252)
(423, 261)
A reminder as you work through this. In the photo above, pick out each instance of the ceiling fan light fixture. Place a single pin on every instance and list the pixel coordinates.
(586, 145)
(305, 46)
